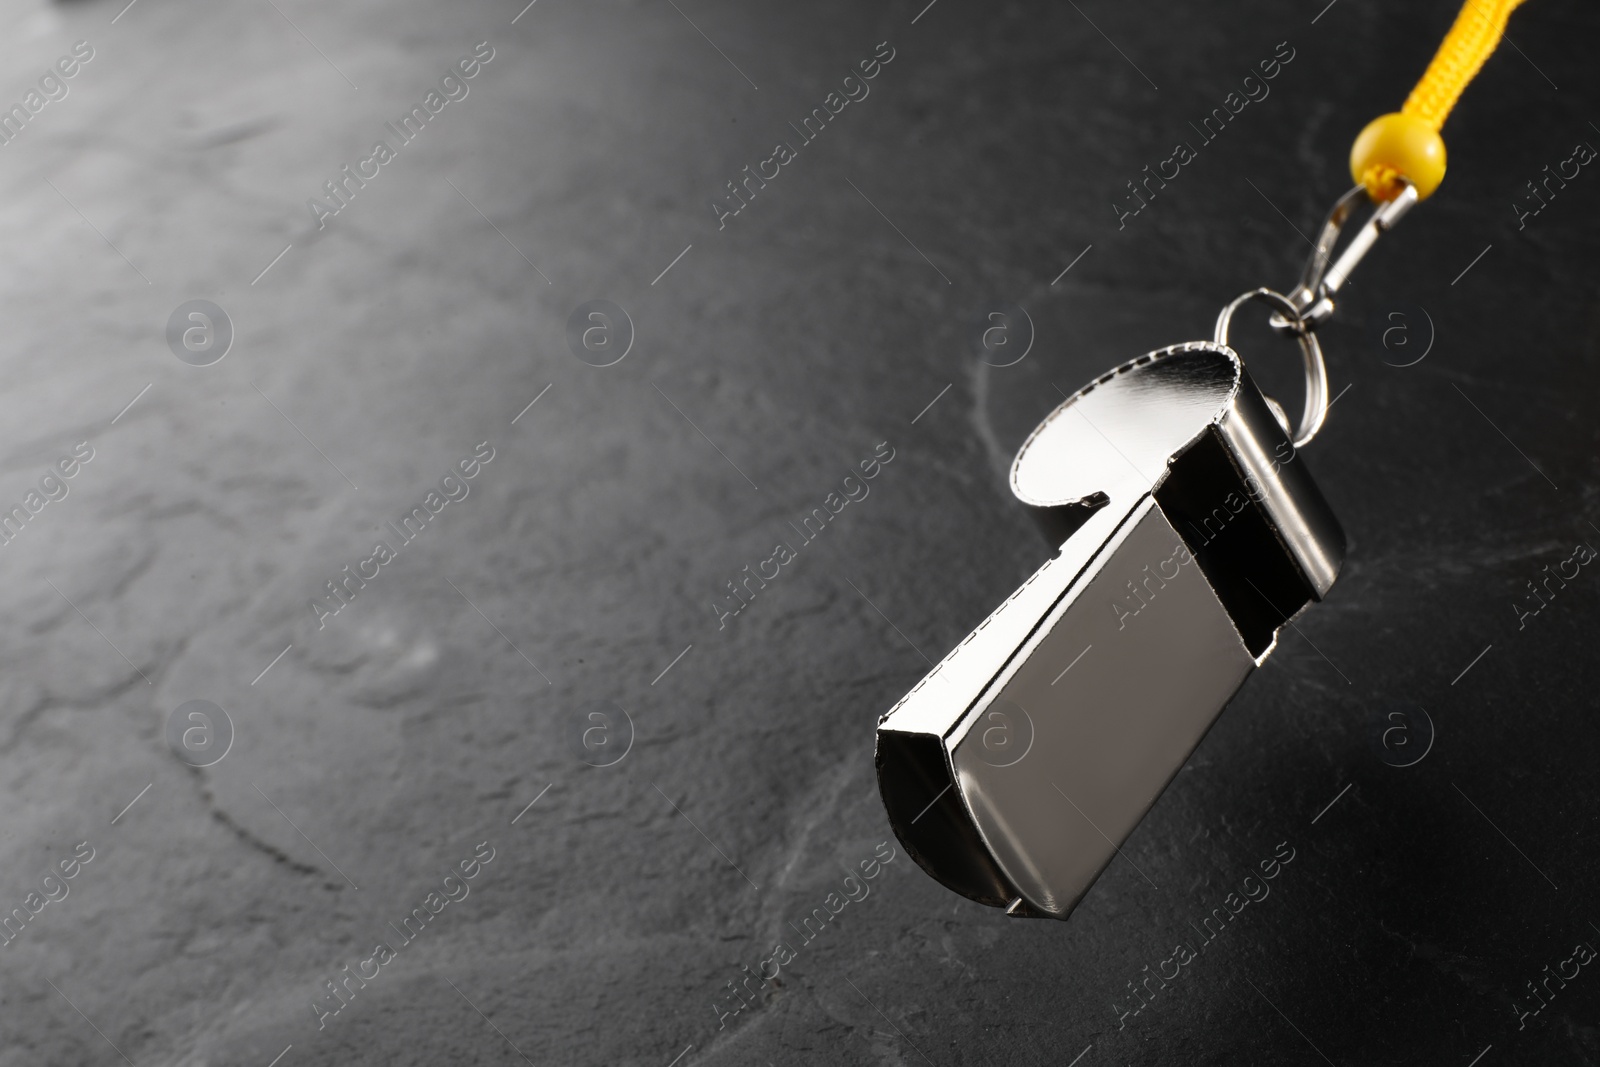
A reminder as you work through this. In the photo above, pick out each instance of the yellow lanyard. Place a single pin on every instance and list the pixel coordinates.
(1406, 144)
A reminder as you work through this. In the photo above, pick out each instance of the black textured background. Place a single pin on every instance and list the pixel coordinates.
(424, 718)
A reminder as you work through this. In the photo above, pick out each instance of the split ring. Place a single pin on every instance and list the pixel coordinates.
(1316, 406)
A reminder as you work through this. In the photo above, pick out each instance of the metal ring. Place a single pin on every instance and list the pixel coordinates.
(1316, 407)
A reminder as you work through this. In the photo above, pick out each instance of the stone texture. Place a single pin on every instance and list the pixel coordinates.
(424, 717)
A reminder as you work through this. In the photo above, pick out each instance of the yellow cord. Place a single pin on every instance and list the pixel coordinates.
(1407, 143)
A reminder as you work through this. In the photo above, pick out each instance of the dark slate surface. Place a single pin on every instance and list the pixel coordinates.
(377, 352)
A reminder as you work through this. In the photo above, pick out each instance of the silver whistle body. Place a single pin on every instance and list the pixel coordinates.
(1189, 533)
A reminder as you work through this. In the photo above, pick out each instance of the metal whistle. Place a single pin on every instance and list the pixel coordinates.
(1189, 533)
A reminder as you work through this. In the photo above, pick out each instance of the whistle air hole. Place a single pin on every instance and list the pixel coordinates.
(1280, 415)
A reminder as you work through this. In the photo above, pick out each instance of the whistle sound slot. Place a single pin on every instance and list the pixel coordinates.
(1225, 528)
(1062, 521)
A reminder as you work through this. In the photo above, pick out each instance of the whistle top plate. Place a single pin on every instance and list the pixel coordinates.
(1122, 428)
(1118, 437)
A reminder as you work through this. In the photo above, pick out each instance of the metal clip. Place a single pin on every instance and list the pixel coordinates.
(1319, 281)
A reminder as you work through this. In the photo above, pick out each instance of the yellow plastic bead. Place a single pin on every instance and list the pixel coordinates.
(1398, 144)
